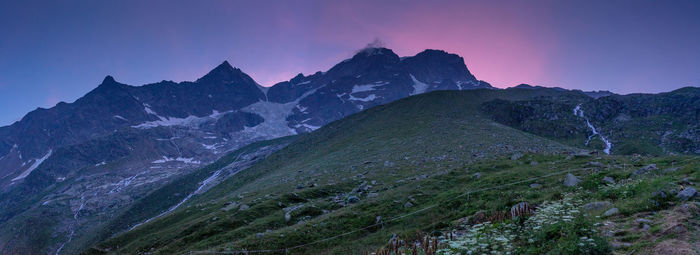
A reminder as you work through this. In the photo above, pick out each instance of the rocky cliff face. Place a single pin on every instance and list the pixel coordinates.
(656, 124)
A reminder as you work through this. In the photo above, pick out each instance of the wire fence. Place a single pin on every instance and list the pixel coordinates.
(467, 193)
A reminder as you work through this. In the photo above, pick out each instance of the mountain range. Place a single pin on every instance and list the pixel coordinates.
(121, 156)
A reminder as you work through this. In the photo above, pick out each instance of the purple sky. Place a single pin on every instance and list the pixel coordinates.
(53, 51)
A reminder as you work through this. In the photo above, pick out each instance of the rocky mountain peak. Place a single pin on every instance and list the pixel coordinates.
(434, 52)
(225, 73)
(108, 83)
(524, 86)
(297, 78)
(435, 65)
(108, 80)
(376, 54)
(366, 61)
(108, 88)
(440, 56)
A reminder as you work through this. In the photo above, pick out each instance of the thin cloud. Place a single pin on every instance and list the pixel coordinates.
(377, 43)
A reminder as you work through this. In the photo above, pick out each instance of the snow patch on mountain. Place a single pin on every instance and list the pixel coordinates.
(212, 147)
(189, 121)
(120, 117)
(180, 159)
(418, 86)
(311, 127)
(306, 125)
(37, 163)
(275, 118)
(340, 96)
(147, 108)
(301, 108)
(368, 98)
(367, 87)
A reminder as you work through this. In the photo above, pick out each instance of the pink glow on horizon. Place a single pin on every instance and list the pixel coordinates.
(496, 49)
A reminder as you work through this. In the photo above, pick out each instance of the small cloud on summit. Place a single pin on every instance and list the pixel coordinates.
(377, 43)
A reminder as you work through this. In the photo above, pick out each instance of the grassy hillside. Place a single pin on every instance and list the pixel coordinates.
(416, 156)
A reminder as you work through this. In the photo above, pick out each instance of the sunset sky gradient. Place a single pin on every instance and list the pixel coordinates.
(53, 51)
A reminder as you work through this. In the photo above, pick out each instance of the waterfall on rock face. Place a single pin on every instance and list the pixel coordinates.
(579, 112)
(72, 226)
